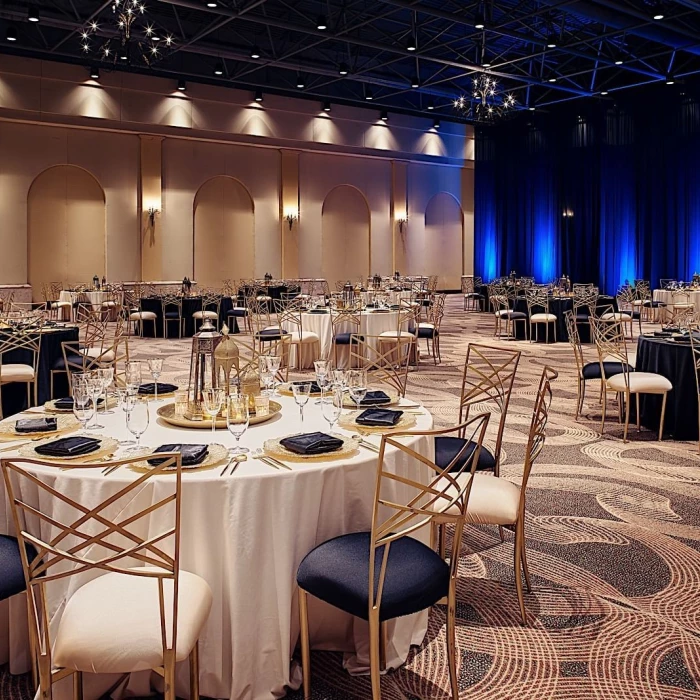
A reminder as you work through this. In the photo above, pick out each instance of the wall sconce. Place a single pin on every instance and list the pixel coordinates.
(152, 211)
(291, 215)
(567, 213)
(401, 220)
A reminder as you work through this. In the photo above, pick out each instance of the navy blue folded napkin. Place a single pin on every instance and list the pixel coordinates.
(69, 447)
(380, 417)
(312, 443)
(36, 425)
(191, 454)
(150, 388)
(66, 404)
(315, 388)
(318, 311)
(662, 334)
(375, 398)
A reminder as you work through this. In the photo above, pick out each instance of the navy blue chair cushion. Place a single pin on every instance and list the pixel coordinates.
(60, 363)
(447, 448)
(11, 573)
(653, 304)
(427, 332)
(344, 338)
(239, 313)
(172, 315)
(592, 370)
(583, 318)
(337, 572)
(517, 314)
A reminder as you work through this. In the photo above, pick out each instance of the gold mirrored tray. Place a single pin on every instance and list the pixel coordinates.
(167, 413)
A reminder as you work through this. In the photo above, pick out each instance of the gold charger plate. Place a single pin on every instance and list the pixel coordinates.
(66, 423)
(107, 448)
(273, 448)
(391, 393)
(50, 407)
(347, 421)
(167, 413)
(217, 455)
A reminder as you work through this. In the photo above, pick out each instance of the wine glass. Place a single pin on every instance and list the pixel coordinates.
(213, 400)
(331, 406)
(83, 406)
(301, 393)
(322, 375)
(273, 364)
(237, 420)
(267, 376)
(94, 385)
(123, 402)
(137, 419)
(106, 375)
(155, 366)
(133, 376)
(357, 385)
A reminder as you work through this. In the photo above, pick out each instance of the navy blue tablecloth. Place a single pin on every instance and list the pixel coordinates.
(189, 306)
(675, 362)
(14, 396)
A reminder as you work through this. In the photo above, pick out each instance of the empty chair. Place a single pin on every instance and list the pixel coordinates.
(306, 343)
(626, 312)
(502, 301)
(172, 313)
(210, 308)
(133, 305)
(383, 573)
(345, 328)
(386, 364)
(537, 298)
(24, 341)
(429, 330)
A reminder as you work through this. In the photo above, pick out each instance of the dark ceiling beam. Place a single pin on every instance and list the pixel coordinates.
(104, 5)
(365, 43)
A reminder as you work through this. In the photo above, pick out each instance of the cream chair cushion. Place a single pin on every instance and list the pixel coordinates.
(95, 353)
(426, 325)
(61, 304)
(616, 317)
(641, 382)
(16, 373)
(542, 318)
(205, 314)
(393, 334)
(112, 623)
(303, 337)
(143, 316)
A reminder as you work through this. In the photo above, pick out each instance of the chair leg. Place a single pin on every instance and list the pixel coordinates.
(627, 415)
(374, 654)
(169, 676)
(304, 643)
(605, 401)
(194, 672)
(663, 416)
(523, 549)
(639, 423)
(517, 571)
(78, 685)
(451, 641)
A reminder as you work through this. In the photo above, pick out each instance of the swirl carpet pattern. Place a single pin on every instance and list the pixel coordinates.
(613, 539)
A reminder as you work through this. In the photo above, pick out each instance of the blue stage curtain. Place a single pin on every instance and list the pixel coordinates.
(604, 194)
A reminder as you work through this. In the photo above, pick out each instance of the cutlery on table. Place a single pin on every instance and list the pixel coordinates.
(270, 461)
(227, 465)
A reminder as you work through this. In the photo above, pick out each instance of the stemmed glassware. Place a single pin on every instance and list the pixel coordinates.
(301, 393)
(237, 420)
(137, 419)
(95, 387)
(357, 385)
(322, 375)
(213, 400)
(123, 402)
(133, 377)
(273, 364)
(83, 405)
(106, 375)
(155, 366)
(267, 376)
(332, 406)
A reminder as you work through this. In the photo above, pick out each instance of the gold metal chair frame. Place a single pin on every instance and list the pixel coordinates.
(172, 301)
(538, 298)
(429, 507)
(343, 319)
(26, 338)
(210, 297)
(469, 294)
(385, 364)
(695, 347)
(434, 316)
(54, 554)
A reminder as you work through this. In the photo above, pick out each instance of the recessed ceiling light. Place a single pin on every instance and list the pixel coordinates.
(11, 34)
(181, 85)
(658, 15)
(670, 79)
(211, 3)
(531, 109)
(618, 61)
(551, 43)
(219, 68)
(415, 83)
(343, 69)
(321, 24)
(384, 116)
(486, 63)
(255, 52)
(258, 96)
(32, 14)
(436, 124)
(553, 79)
(603, 92)
(123, 54)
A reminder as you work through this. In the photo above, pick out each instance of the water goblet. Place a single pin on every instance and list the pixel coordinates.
(155, 366)
(301, 393)
(357, 385)
(331, 406)
(123, 402)
(94, 386)
(322, 375)
(83, 406)
(273, 364)
(237, 420)
(106, 375)
(137, 419)
(133, 376)
(213, 400)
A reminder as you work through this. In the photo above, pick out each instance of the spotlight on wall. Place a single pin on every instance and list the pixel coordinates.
(255, 52)
(291, 214)
(327, 106)
(94, 72)
(401, 219)
(258, 96)
(384, 116)
(343, 69)
(219, 68)
(33, 14)
(321, 24)
(11, 34)
(181, 85)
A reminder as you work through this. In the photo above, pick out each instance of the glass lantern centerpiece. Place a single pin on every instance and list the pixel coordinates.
(202, 368)
(226, 357)
(348, 295)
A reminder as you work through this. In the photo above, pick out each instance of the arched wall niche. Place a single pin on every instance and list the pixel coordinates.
(224, 231)
(345, 235)
(443, 244)
(66, 225)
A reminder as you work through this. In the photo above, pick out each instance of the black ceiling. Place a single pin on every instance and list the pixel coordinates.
(587, 46)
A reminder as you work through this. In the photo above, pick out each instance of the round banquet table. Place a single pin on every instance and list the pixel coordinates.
(675, 362)
(245, 534)
(189, 306)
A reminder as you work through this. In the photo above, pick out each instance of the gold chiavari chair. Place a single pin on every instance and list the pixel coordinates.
(502, 302)
(136, 589)
(430, 328)
(265, 331)
(136, 314)
(694, 333)
(537, 299)
(290, 322)
(172, 313)
(6, 301)
(21, 339)
(211, 307)
(345, 325)
(498, 501)
(472, 298)
(585, 300)
(612, 347)
(52, 297)
(385, 364)
(680, 308)
(385, 573)
(487, 381)
(113, 301)
(625, 313)
(406, 325)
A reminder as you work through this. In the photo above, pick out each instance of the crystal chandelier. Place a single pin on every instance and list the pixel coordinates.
(485, 103)
(129, 40)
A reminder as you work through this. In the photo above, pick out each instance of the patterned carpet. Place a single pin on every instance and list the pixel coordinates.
(613, 535)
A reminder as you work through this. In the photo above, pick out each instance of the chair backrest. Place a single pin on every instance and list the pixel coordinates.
(537, 299)
(609, 339)
(575, 340)
(642, 289)
(498, 297)
(385, 359)
(488, 377)
(408, 501)
(468, 284)
(626, 297)
(211, 300)
(73, 538)
(345, 321)
(290, 319)
(585, 297)
(171, 302)
(22, 337)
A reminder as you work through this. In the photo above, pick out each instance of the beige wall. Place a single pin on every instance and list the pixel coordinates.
(143, 142)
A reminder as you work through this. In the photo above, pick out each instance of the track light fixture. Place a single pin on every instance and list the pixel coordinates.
(479, 20)
(219, 68)
(301, 83)
(327, 106)
(181, 85)
(384, 116)
(415, 83)
(431, 106)
(33, 14)
(369, 95)
(258, 96)
(255, 52)
(321, 24)
(411, 44)
(11, 34)
(343, 69)
(436, 124)
(94, 72)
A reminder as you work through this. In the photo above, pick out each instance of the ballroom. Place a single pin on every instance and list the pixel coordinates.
(349, 350)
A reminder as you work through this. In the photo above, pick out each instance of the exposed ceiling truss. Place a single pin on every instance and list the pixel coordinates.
(406, 55)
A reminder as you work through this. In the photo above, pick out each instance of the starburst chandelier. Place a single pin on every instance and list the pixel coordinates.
(131, 39)
(485, 103)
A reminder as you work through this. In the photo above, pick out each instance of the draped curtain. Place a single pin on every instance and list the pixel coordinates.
(604, 195)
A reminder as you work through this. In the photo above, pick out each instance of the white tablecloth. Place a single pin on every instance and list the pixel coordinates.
(666, 296)
(246, 535)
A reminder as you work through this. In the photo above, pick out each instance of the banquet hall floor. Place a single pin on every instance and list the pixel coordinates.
(613, 538)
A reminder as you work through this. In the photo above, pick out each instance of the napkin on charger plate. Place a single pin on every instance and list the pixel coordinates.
(66, 404)
(311, 443)
(379, 417)
(191, 454)
(315, 388)
(69, 446)
(150, 388)
(375, 398)
(36, 425)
